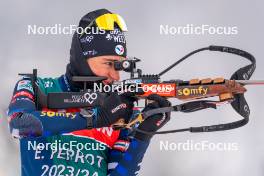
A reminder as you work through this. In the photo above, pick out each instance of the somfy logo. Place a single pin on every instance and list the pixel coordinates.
(193, 91)
(90, 97)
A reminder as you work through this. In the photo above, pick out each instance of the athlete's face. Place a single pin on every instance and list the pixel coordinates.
(104, 66)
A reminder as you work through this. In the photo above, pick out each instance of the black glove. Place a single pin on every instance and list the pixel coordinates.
(155, 122)
(25, 125)
(114, 107)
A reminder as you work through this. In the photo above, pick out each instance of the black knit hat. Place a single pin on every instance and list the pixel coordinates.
(93, 42)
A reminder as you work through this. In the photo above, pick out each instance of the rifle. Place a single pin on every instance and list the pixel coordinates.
(194, 91)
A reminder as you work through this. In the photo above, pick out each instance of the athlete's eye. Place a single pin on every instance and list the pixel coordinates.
(109, 63)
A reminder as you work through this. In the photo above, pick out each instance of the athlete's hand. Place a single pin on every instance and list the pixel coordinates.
(114, 107)
(25, 125)
(154, 122)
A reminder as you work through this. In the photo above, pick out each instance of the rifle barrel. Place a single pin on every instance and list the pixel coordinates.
(251, 82)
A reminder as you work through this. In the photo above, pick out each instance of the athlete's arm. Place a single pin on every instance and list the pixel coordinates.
(25, 120)
(127, 163)
(126, 156)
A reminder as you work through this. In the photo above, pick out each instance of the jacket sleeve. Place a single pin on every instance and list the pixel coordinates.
(26, 121)
(126, 156)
